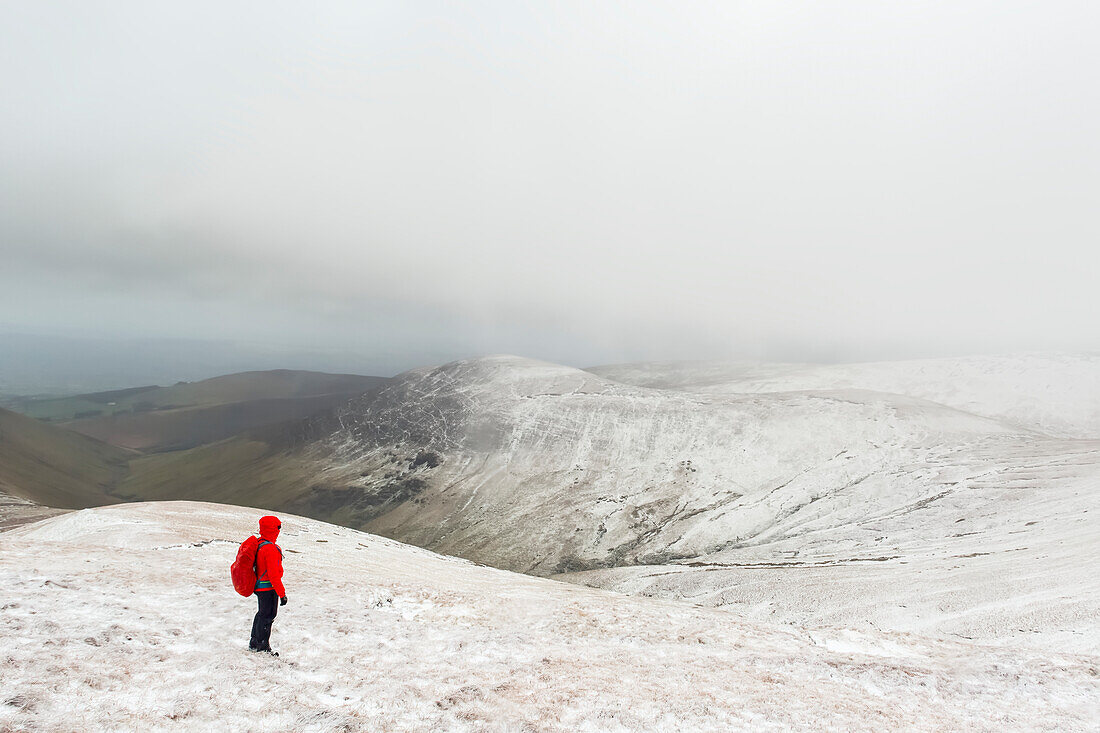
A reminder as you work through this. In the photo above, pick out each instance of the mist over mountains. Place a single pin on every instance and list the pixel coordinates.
(419, 277)
(33, 364)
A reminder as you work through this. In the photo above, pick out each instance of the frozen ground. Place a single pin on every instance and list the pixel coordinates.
(122, 617)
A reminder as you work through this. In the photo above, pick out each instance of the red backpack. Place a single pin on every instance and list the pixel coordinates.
(243, 569)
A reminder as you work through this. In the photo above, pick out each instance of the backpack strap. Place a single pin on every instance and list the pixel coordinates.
(256, 562)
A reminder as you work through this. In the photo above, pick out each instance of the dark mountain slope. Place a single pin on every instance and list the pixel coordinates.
(55, 467)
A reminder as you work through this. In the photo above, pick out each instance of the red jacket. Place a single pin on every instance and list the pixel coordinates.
(269, 558)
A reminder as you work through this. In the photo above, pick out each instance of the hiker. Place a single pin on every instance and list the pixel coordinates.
(269, 585)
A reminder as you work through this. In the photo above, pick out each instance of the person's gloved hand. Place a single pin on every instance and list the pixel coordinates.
(282, 601)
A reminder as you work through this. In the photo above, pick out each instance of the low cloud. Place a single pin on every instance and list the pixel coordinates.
(578, 183)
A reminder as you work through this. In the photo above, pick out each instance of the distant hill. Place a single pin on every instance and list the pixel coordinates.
(190, 414)
(183, 428)
(251, 419)
(39, 364)
(275, 466)
(55, 467)
(241, 387)
(1055, 394)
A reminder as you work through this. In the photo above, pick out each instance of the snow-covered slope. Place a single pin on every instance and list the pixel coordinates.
(122, 618)
(940, 519)
(544, 468)
(1016, 564)
(1057, 394)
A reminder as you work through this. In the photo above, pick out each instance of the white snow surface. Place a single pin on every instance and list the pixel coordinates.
(123, 618)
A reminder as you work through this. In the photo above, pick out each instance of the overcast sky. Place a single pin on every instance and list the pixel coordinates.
(582, 182)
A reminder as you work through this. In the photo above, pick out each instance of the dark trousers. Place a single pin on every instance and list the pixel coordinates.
(261, 625)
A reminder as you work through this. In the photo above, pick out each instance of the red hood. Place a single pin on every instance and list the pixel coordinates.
(269, 528)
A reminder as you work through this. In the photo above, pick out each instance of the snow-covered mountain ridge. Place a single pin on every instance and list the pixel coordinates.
(605, 474)
(1056, 394)
(938, 516)
(123, 617)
